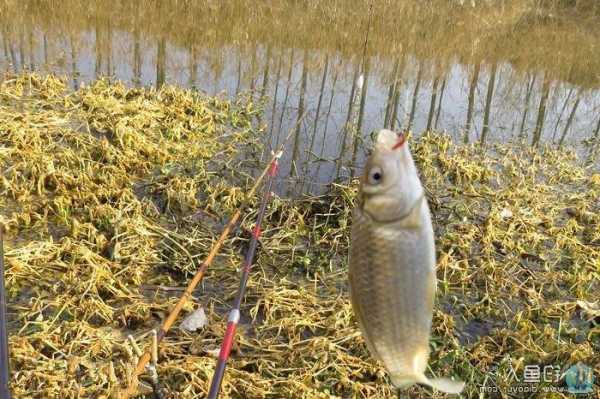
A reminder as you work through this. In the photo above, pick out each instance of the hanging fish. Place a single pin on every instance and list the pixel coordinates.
(392, 265)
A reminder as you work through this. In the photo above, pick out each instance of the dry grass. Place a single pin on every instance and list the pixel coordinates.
(111, 194)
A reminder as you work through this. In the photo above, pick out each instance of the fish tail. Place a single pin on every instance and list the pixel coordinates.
(442, 384)
(403, 381)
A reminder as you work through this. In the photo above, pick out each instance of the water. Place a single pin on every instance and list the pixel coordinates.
(513, 70)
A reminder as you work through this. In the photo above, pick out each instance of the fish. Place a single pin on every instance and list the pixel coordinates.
(392, 265)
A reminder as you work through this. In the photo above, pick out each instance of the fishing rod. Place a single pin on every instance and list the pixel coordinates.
(234, 314)
(4, 370)
(168, 322)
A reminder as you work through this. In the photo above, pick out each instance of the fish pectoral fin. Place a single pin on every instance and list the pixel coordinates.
(443, 384)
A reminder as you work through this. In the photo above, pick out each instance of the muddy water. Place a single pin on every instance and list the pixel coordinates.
(515, 70)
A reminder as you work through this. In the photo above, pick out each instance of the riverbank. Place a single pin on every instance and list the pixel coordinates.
(111, 193)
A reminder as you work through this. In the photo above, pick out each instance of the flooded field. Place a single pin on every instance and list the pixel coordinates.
(128, 131)
(517, 70)
(106, 229)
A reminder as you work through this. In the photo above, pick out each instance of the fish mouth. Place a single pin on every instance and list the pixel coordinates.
(401, 141)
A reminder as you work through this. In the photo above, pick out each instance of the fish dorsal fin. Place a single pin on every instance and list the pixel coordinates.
(413, 218)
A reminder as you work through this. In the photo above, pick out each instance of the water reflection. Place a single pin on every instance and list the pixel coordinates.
(438, 70)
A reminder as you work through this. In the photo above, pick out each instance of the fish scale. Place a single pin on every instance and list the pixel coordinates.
(397, 318)
(392, 265)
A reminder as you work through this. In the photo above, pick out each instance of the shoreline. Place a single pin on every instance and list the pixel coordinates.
(117, 192)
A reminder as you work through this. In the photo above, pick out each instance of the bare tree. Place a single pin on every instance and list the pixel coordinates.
(526, 105)
(439, 108)
(361, 113)
(274, 107)
(265, 80)
(295, 150)
(569, 120)
(161, 56)
(391, 94)
(471, 104)
(413, 107)
(539, 125)
(74, 71)
(321, 92)
(562, 111)
(488, 104)
(434, 89)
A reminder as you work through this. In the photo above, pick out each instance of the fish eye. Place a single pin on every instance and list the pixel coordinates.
(375, 175)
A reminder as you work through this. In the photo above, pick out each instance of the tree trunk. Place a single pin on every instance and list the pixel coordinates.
(321, 92)
(413, 107)
(252, 68)
(265, 81)
(193, 66)
(361, 113)
(137, 57)
(348, 124)
(394, 117)
(5, 43)
(439, 109)
(161, 61)
(99, 47)
(74, 71)
(45, 49)
(391, 95)
(569, 121)
(526, 107)
(331, 97)
(595, 143)
(31, 51)
(470, 106)
(434, 89)
(239, 73)
(488, 104)
(11, 50)
(295, 151)
(287, 91)
(274, 108)
(22, 48)
(109, 68)
(562, 111)
(539, 125)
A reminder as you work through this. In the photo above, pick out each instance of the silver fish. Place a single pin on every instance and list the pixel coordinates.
(392, 265)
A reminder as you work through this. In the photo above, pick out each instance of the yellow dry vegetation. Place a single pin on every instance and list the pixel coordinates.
(111, 196)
